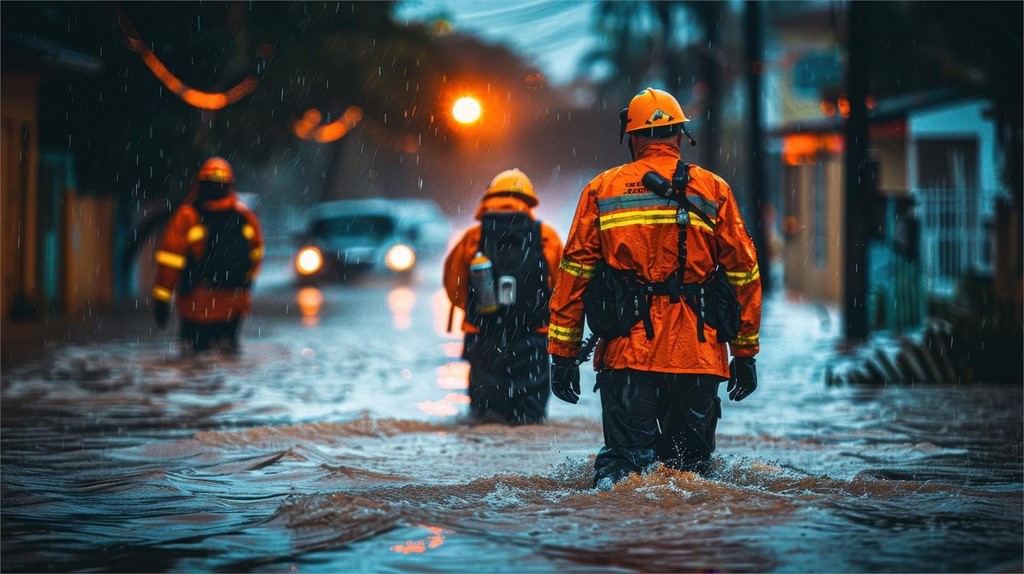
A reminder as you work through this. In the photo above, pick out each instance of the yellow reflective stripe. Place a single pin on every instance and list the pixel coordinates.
(172, 260)
(696, 221)
(741, 278)
(746, 340)
(566, 334)
(576, 269)
(248, 232)
(648, 217)
(256, 254)
(195, 233)
(161, 293)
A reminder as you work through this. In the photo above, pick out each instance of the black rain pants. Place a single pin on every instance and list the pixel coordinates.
(509, 384)
(207, 336)
(651, 417)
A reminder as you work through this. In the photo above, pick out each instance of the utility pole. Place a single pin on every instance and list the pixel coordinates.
(755, 138)
(858, 172)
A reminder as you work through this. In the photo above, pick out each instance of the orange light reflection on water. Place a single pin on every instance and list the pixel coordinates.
(309, 300)
(453, 376)
(433, 540)
(441, 408)
(401, 301)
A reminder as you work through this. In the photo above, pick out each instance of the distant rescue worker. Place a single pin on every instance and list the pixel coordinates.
(207, 260)
(500, 273)
(660, 263)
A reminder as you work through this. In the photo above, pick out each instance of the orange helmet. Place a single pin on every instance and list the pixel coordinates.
(513, 182)
(651, 108)
(218, 170)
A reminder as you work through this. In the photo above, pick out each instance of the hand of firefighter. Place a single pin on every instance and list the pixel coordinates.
(565, 379)
(742, 378)
(161, 313)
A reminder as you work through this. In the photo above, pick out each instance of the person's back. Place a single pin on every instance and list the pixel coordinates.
(505, 326)
(209, 255)
(664, 245)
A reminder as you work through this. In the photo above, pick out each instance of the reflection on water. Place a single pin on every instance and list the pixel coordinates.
(309, 300)
(453, 376)
(341, 449)
(434, 540)
(401, 301)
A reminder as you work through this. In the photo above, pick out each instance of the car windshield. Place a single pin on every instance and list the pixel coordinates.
(375, 226)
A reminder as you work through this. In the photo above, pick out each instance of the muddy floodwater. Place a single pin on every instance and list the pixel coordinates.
(337, 442)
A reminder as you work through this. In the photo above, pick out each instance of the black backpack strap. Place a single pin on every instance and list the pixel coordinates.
(680, 180)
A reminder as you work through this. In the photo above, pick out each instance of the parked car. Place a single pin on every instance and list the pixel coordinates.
(348, 237)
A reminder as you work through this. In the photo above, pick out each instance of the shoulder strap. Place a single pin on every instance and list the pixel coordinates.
(680, 180)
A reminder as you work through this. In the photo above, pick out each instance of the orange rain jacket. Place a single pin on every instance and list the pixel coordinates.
(456, 265)
(184, 238)
(619, 220)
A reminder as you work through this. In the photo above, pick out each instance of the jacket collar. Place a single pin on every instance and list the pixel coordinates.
(659, 150)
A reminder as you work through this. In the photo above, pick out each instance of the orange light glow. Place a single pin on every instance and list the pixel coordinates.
(310, 128)
(309, 261)
(844, 106)
(466, 110)
(800, 149)
(199, 99)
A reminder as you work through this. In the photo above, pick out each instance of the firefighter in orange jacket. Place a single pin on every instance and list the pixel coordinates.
(208, 257)
(659, 382)
(506, 342)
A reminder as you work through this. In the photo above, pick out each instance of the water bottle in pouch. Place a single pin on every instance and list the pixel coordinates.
(481, 274)
(506, 290)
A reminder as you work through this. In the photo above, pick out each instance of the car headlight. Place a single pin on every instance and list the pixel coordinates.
(309, 261)
(400, 258)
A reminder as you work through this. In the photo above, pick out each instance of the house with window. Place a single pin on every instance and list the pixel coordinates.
(935, 190)
(935, 161)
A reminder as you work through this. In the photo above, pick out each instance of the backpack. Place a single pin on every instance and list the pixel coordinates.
(512, 241)
(226, 262)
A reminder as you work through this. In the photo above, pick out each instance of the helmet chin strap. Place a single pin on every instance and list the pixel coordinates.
(632, 152)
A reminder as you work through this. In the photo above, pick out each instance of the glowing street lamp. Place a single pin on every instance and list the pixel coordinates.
(466, 110)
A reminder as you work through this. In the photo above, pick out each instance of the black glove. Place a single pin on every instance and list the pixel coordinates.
(742, 378)
(161, 313)
(565, 379)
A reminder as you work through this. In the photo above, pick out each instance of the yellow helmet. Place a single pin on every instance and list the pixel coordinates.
(218, 170)
(513, 182)
(651, 108)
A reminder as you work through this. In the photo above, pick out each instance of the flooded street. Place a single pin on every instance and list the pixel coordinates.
(336, 442)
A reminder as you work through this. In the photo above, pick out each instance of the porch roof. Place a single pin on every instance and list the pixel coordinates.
(890, 110)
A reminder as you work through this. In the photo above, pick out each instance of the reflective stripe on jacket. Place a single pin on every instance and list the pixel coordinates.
(619, 220)
(184, 238)
(456, 264)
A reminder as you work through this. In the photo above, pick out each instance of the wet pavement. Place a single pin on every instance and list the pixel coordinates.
(337, 442)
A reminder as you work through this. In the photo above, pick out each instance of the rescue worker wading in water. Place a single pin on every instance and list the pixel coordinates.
(208, 257)
(659, 370)
(507, 315)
